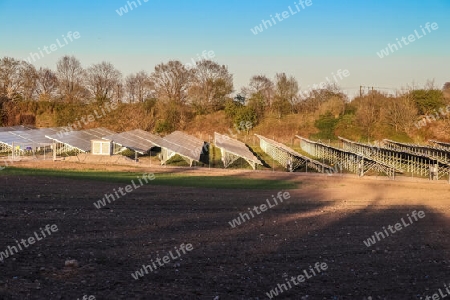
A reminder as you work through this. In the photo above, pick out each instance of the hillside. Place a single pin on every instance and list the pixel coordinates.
(362, 119)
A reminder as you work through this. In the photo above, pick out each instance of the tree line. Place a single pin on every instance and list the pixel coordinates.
(173, 94)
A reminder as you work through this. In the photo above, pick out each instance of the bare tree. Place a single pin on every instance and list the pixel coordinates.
(430, 85)
(446, 86)
(70, 78)
(131, 88)
(102, 80)
(286, 93)
(446, 90)
(118, 93)
(171, 81)
(260, 84)
(368, 112)
(47, 84)
(10, 80)
(316, 99)
(211, 84)
(400, 112)
(334, 105)
(29, 77)
(138, 87)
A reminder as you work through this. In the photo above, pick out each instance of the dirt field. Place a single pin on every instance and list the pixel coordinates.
(325, 220)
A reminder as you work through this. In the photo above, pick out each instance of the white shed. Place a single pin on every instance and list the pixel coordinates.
(101, 147)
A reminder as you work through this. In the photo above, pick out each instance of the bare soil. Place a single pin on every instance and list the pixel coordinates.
(326, 220)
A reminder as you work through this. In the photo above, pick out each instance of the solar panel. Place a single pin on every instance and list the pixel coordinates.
(80, 139)
(183, 144)
(235, 147)
(288, 157)
(281, 146)
(27, 137)
(350, 158)
(138, 140)
(8, 138)
(440, 143)
(37, 136)
(15, 128)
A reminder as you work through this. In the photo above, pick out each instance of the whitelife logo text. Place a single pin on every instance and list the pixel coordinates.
(281, 287)
(184, 248)
(405, 41)
(259, 209)
(398, 226)
(128, 189)
(11, 250)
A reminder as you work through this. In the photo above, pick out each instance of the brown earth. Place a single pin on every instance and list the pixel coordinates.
(326, 220)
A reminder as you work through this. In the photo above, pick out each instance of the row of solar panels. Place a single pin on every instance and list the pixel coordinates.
(235, 147)
(137, 140)
(24, 137)
(80, 139)
(15, 128)
(178, 142)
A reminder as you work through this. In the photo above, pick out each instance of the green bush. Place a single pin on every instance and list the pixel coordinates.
(428, 100)
(326, 125)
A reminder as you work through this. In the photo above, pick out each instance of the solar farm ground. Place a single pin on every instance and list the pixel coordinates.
(325, 220)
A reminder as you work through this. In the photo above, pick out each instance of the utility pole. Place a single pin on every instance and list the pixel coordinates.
(365, 87)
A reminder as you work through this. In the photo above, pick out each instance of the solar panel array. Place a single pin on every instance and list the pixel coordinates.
(281, 146)
(400, 158)
(235, 147)
(15, 128)
(141, 141)
(353, 156)
(137, 140)
(288, 157)
(7, 139)
(437, 153)
(441, 144)
(37, 135)
(81, 139)
(27, 137)
(183, 144)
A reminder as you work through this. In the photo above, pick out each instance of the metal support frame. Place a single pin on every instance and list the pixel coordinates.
(290, 159)
(352, 161)
(404, 157)
(437, 153)
(167, 154)
(228, 158)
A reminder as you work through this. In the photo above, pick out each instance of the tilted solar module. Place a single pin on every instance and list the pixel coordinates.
(137, 140)
(183, 144)
(235, 147)
(16, 128)
(27, 137)
(284, 156)
(81, 139)
(444, 144)
(37, 136)
(8, 138)
(281, 146)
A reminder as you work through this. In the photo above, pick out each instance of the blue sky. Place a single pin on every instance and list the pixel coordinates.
(319, 39)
